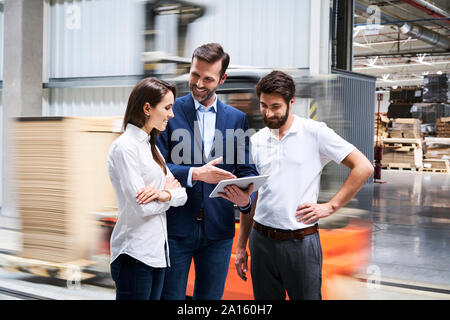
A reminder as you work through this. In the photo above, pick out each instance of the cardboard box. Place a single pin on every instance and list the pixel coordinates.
(61, 167)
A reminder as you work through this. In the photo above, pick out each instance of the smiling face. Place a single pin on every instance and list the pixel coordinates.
(204, 79)
(160, 114)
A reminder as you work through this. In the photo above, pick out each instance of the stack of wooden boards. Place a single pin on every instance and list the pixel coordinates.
(406, 128)
(381, 127)
(437, 155)
(405, 148)
(430, 154)
(402, 153)
(436, 165)
(443, 127)
(61, 170)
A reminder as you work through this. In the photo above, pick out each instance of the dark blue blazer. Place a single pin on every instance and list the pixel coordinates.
(218, 213)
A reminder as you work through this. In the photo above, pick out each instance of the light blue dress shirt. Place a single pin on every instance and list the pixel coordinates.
(207, 123)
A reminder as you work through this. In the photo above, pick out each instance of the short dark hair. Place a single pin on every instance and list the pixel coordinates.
(212, 52)
(277, 82)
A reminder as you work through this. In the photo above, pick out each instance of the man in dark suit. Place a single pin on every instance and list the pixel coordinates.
(204, 127)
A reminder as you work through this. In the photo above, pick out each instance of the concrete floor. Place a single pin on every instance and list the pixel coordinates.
(410, 246)
(411, 216)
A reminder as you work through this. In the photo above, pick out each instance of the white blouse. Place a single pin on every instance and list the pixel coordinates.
(141, 229)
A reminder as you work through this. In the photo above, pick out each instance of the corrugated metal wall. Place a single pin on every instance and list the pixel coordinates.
(1, 102)
(355, 96)
(93, 38)
(269, 33)
(96, 38)
(1, 148)
(349, 110)
(89, 102)
(167, 39)
(1, 41)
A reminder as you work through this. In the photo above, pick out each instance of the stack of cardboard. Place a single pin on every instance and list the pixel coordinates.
(406, 128)
(406, 95)
(381, 127)
(437, 148)
(436, 165)
(402, 153)
(443, 127)
(430, 112)
(61, 176)
(435, 88)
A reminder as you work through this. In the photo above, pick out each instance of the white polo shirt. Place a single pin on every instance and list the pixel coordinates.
(294, 165)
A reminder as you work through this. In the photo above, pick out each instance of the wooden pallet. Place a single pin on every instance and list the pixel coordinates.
(402, 153)
(436, 165)
(74, 270)
(399, 166)
(402, 142)
(434, 170)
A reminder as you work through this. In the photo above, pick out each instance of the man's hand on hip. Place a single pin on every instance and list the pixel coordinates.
(240, 197)
(311, 212)
(209, 173)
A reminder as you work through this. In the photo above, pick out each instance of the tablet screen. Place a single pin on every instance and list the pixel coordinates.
(242, 183)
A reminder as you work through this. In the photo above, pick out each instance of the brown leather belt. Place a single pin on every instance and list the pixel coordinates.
(279, 234)
(200, 216)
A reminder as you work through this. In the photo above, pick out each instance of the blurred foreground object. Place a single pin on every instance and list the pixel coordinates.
(60, 165)
(346, 253)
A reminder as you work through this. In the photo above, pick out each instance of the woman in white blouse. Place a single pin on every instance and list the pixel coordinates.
(145, 189)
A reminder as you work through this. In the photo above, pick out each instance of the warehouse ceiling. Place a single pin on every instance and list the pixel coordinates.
(400, 41)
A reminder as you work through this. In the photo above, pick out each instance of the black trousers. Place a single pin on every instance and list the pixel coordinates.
(280, 266)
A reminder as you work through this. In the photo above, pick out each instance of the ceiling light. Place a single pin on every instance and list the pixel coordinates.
(372, 61)
(421, 57)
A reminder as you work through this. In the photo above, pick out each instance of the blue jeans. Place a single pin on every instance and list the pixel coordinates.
(211, 261)
(136, 280)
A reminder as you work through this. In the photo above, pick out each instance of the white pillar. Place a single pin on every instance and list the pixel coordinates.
(22, 79)
(319, 37)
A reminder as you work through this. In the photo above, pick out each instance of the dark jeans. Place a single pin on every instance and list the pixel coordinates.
(293, 265)
(136, 280)
(211, 261)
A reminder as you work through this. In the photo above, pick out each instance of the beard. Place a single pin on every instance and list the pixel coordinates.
(276, 122)
(204, 97)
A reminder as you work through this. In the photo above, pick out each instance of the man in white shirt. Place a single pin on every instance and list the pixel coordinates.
(285, 245)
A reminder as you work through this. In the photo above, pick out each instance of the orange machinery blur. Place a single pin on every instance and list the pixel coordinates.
(345, 251)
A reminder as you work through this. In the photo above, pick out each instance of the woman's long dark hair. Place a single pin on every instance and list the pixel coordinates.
(149, 90)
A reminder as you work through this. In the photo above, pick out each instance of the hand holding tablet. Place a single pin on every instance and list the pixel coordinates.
(242, 183)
